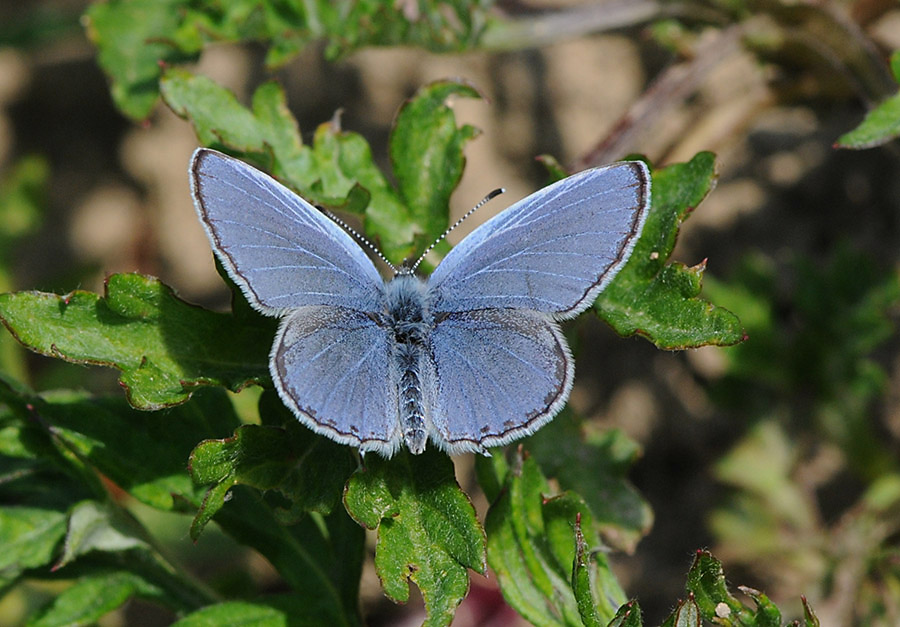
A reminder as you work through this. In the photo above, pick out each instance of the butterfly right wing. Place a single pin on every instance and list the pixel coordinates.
(280, 250)
(331, 367)
(553, 251)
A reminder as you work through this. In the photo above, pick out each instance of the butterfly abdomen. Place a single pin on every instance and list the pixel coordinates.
(411, 322)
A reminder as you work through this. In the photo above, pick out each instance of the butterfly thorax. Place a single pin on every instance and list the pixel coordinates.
(410, 319)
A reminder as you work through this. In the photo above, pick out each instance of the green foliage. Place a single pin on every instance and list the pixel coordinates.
(22, 198)
(819, 375)
(164, 347)
(544, 548)
(595, 465)
(821, 366)
(135, 38)
(881, 125)
(657, 299)
(427, 529)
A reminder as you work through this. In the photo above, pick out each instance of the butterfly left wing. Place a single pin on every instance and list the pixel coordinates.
(499, 375)
(331, 366)
(553, 251)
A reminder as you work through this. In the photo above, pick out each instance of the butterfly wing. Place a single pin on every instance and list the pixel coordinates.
(331, 358)
(553, 251)
(280, 250)
(502, 366)
(331, 368)
(499, 375)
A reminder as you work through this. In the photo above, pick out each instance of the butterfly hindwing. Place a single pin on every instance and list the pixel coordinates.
(553, 251)
(499, 375)
(279, 249)
(332, 367)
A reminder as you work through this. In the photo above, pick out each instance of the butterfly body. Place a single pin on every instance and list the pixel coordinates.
(469, 358)
(408, 315)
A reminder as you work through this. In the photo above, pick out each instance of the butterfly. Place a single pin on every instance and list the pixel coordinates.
(471, 357)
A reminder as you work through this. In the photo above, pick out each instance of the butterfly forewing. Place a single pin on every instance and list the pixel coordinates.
(279, 249)
(553, 251)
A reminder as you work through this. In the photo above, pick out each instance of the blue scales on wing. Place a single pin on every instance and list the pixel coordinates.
(500, 374)
(331, 367)
(502, 366)
(280, 250)
(553, 251)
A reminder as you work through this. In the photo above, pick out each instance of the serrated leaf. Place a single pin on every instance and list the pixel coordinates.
(595, 465)
(426, 150)
(629, 615)
(163, 346)
(427, 529)
(881, 124)
(706, 583)
(656, 299)
(532, 549)
(29, 537)
(309, 470)
(92, 597)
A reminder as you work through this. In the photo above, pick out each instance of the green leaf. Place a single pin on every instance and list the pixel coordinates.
(706, 583)
(92, 597)
(533, 549)
(163, 346)
(595, 464)
(131, 37)
(320, 557)
(145, 454)
(686, 614)
(767, 614)
(427, 529)
(656, 299)
(308, 470)
(629, 615)
(426, 149)
(96, 527)
(236, 614)
(881, 124)
(337, 171)
(135, 37)
(29, 537)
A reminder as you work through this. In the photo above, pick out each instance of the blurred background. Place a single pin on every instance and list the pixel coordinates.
(780, 455)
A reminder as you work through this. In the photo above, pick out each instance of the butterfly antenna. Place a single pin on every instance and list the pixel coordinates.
(361, 239)
(444, 235)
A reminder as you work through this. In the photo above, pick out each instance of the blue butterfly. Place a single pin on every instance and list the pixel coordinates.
(471, 357)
